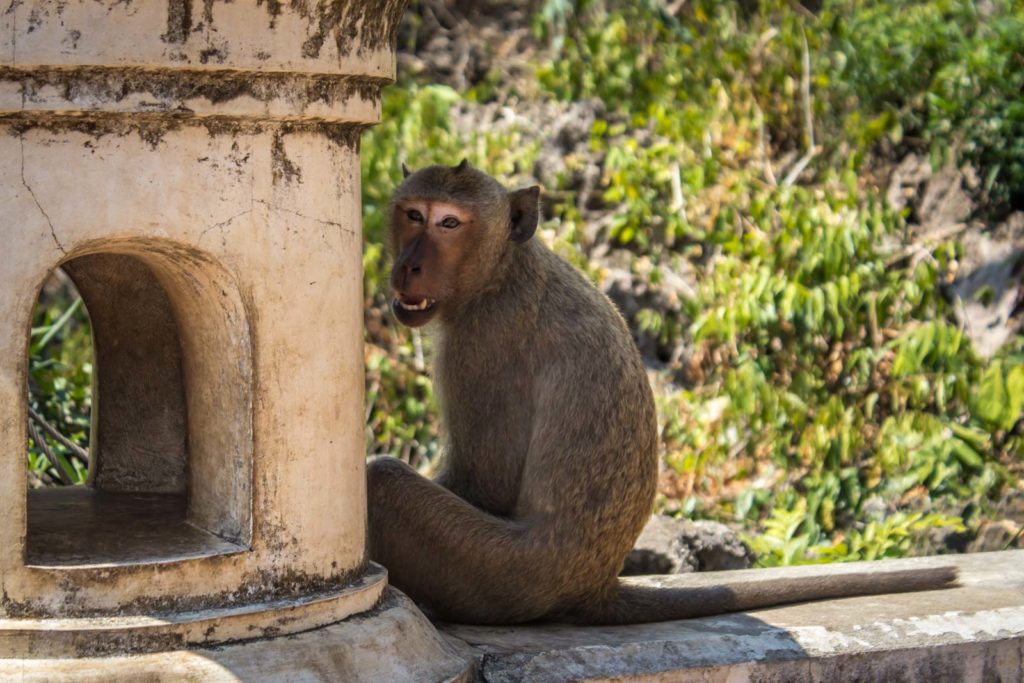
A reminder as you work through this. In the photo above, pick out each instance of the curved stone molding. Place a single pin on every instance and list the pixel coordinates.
(155, 632)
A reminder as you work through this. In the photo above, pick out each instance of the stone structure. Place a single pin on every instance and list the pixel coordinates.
(194, 168)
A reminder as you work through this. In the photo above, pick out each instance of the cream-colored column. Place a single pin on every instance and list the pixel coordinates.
(211, 148)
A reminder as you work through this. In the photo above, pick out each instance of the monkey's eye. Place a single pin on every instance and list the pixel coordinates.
(414, 215)
(450, 222)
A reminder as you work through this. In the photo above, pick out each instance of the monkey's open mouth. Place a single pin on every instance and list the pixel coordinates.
(414, 303)
(413, 311)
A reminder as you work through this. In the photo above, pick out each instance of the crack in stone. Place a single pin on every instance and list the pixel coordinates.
(252, 208)
(222, 224)
(318, 221)
(53, 231)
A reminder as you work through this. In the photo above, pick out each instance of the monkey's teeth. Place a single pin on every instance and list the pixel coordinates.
(423, 305)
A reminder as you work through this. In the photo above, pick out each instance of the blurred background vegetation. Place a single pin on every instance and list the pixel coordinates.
(811, 216)
(60, 386)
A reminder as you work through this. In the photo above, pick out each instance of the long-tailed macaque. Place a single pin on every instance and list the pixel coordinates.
(550, 456)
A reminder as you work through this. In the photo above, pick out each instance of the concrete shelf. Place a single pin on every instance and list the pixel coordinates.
(76, 526)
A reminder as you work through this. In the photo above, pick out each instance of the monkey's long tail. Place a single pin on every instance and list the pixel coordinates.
(700, 595)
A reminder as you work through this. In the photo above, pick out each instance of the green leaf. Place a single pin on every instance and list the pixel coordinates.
(990, 399)
(1015, 397)
(965, 454)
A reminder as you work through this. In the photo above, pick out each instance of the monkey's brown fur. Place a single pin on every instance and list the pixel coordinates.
(550, 455)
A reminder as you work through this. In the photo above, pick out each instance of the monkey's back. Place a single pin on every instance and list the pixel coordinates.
(559, 429)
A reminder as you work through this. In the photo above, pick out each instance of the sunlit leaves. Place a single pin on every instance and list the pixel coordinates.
(60, 380)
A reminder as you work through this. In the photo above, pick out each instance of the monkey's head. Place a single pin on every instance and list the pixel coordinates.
(452, 228)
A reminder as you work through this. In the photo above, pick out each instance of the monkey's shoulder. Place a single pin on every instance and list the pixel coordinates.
(584, 319)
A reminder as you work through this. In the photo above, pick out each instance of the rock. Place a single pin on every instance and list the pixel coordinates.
(906, 180)
(627, 282)
(989, 285)
(996, 535)
(677, 546)
(989, 281)
(936, 198)
(945, 201)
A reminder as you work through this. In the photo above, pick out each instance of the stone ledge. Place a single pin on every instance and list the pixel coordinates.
(393, 642)
(974, 632)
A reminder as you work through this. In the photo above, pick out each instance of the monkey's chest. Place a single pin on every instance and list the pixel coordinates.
(487, 419)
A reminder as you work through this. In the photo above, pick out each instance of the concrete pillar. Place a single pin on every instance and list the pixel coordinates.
(194, 168)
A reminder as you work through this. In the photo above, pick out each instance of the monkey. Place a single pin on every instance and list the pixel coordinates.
(549, 462)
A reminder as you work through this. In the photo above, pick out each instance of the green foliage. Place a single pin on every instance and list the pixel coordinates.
(400, 405)
(60, 380)
(789, 538)
(945, 71)
(999, 400)
(826, 366)
(935, 72)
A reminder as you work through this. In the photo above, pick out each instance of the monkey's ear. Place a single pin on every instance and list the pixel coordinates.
(525, 209)
(405, 171)
(463, 165)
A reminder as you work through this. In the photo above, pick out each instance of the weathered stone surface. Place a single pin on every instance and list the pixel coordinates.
(676, 546)
(393, 642)
(971, 633)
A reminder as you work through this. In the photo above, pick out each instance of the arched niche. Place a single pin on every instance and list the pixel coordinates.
(170, 473)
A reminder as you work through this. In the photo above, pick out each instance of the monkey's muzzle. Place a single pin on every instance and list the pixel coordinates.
(413, 311)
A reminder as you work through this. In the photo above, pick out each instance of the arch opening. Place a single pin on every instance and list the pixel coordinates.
(168, 465)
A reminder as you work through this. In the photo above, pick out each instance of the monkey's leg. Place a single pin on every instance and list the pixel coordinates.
(464, 563)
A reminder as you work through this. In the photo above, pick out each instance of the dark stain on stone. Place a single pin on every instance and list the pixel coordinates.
(283, 168)
(72, 39)
(344, 135)
(212, 53)
(179, 21)
(34, 20)
(258, 586)
(327, 20)
(152, 128)
(129, 642)
(172, 87)
(344, 20)
(273, 8)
